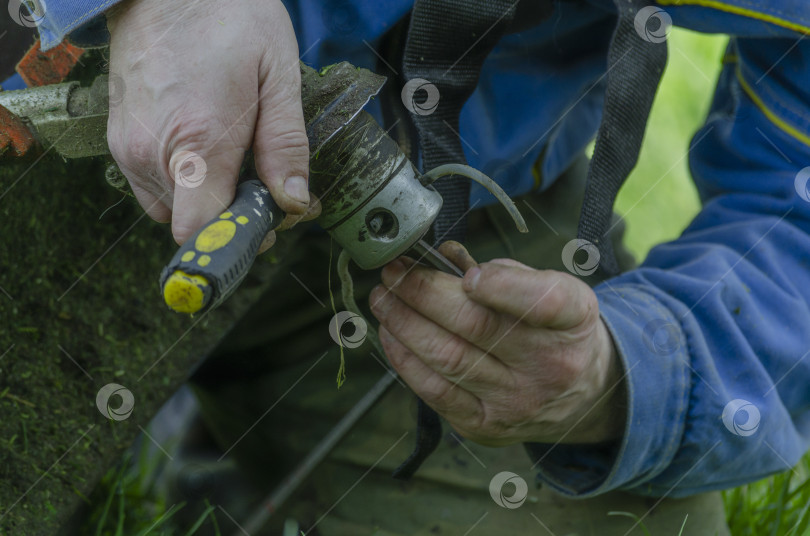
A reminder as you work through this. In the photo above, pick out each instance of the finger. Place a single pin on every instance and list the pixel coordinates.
(204, 185)
(444, 352)
(458, 406)
(312, 212)
(541, 298)
(457, 254)
(268, 242)
(511, 262)
(280, 142)
(134, 151)
(440, 298)
(155, 206)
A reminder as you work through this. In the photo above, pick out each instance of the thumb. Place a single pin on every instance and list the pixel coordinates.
(204, 187)
(541, 298)
(281, 146)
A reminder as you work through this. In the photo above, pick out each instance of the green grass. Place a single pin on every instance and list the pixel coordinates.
(658, 201)
(126, 503)
(778, 506)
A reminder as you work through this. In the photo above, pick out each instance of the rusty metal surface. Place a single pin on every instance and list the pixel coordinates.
(15, 138)
(38, 68)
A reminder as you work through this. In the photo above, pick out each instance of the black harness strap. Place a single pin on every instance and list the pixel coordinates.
(635, 66)
(447, 43)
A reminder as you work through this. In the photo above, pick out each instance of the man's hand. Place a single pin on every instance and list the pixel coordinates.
(508, 354)
(202, 82)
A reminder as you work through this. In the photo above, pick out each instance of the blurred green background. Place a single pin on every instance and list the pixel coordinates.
(659, 200)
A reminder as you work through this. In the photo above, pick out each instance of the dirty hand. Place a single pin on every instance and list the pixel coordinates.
(199, 84)
(507, 354)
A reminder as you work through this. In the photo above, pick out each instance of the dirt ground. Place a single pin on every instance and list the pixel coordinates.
(80, 308)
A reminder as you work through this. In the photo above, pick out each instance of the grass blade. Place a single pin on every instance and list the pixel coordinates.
(200, 521)
(115, 485)
(635, 518)
(781, 505)
(162, 519)
(683, 525)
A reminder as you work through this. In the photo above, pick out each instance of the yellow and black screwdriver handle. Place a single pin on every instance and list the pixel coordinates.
(212, 263)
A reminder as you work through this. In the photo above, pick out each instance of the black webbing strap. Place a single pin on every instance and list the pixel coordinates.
(635, 66)
(447, 43)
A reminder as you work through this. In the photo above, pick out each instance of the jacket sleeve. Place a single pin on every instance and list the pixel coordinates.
(713, 329)
(56, 19)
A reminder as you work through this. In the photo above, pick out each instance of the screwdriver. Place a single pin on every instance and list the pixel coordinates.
(210, 265)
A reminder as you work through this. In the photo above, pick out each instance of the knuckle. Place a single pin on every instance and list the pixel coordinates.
(571, 369)
(494, 427)
(190, 131)
(549, 306)
(589, 303)
(181, 229)
(519, 414)
(292, 144)
(480, 325)
(436, 390)
(449, 357)
(419, 284)
(485, 425)
(138, 153)
(492, 277)
(555, 301)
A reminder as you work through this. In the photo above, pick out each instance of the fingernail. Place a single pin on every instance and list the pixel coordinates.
(296, 187)
(471, 277)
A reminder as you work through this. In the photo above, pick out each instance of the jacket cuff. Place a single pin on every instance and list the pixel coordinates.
(651, 345)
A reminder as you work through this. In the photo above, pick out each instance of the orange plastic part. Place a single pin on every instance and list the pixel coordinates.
(38, 68)
(14, 135)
